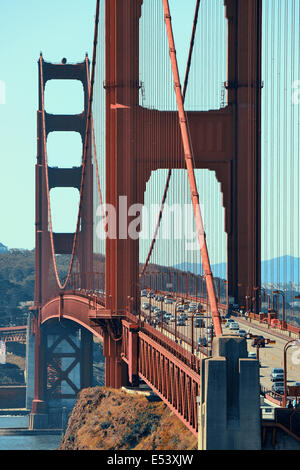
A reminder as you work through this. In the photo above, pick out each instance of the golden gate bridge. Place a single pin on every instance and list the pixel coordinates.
(159, 137)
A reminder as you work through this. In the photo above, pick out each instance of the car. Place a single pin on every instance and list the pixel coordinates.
(277, 374)
(252, 355)
(258, 342)
(168, 301)
(145, 306)
(180, 322)
(180, 308)
(183, 315)
(199, 323)
(202, 341)
(192, 310)
(229, 321)
(242, 333)
(234, 326)
(278, 387)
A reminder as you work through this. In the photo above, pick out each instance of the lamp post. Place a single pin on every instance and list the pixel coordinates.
(259, 290)
(181, 301)
(226, 292)
(286, 347)
(247, 296)
(283, 307)
(193, 316)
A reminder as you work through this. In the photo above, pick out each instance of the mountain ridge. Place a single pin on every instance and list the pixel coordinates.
(285, 268)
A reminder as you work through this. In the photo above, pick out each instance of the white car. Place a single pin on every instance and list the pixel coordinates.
(242, 333)
(277, 374)
(252, 355)
(228, 322)
(234, 326)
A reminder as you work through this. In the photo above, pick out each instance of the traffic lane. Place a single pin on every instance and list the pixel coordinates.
(185, 331)
(271, 356)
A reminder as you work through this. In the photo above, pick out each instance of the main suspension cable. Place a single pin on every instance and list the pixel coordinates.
(186, 78)
(62, 286)
(188, 155)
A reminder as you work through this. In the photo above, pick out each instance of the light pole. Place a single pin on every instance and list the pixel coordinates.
(286, 347)
(283, 307)
(247, 296)
(181, 301)
(259, 289)
(226, 293)
(193, 316)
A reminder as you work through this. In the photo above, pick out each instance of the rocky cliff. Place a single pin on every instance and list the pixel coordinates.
(107, 419)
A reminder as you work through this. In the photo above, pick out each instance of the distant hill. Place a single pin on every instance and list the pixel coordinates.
(3, 248)
(17, 277)
(282, 269)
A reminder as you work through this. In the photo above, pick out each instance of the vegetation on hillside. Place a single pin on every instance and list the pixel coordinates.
(107, 419)
(17, 278)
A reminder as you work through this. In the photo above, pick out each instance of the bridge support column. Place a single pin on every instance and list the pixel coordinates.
(38, 418)
(229, 402)
(116, 370)
(29, 363)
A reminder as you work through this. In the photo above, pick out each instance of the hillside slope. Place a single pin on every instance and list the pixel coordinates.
(108, 419)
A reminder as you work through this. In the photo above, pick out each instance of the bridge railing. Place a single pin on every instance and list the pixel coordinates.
(88, 283)
(175, 348)
(170, 370)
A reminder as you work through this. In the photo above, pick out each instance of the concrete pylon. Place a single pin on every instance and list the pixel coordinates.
(229, 402)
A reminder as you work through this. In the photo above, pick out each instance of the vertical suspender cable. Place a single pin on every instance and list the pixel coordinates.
(186, 78)
(186, 141)
(87, 133)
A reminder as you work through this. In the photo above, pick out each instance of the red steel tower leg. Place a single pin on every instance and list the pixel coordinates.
(122, 93)
(244, 96)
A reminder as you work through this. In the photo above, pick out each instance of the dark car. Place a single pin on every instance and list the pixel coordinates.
(259, 342)
(199, 323)
(278, 387)
(202, 341)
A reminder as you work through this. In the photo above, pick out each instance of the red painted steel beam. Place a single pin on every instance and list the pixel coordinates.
(244, 96)
(188, 154)
(72, 307)
(175, 383)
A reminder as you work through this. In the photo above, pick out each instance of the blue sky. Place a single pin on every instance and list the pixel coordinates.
(58, 29)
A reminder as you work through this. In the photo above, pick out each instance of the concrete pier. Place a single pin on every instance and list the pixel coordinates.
(229, 402)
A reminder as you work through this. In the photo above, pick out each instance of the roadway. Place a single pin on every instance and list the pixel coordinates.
(270, 356)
